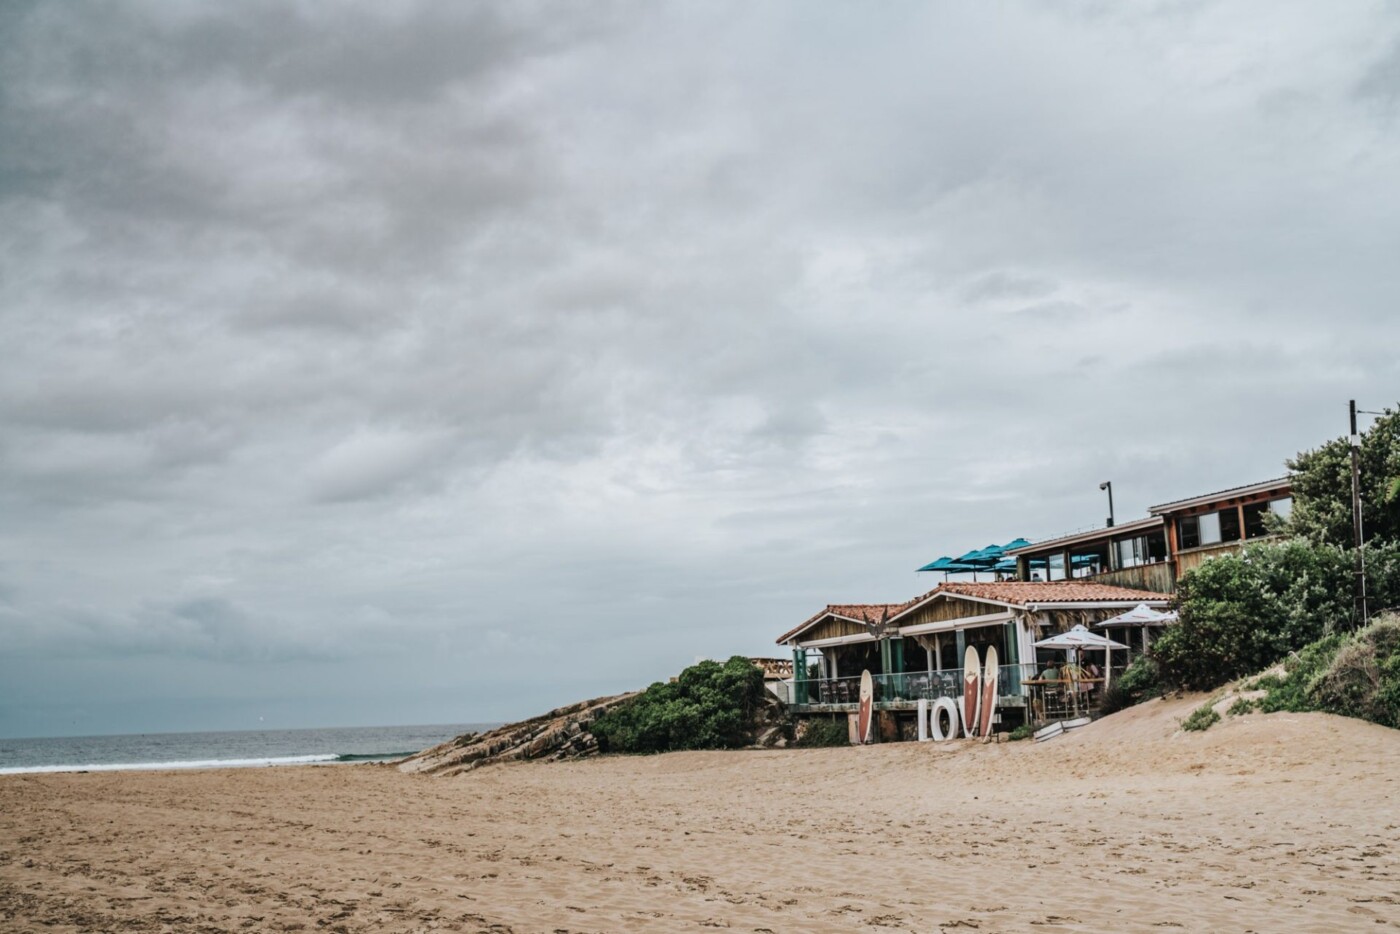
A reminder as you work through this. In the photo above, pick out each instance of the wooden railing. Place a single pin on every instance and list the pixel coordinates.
(1188, 560)
(1155, 577)
(904, 687)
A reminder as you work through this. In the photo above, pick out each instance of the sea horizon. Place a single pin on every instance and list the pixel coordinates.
(209, 749)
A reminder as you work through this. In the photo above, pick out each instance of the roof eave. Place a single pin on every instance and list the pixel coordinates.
(1035, 606)
(1233, 493)
(1108, 531)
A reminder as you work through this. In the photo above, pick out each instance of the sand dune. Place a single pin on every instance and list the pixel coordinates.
(1265, 823)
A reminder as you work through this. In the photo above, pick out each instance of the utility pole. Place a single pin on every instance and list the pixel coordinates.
(1108, 485)
(1354, 441)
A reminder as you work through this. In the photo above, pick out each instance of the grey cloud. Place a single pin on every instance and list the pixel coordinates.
(416, 341)
(1380, 83)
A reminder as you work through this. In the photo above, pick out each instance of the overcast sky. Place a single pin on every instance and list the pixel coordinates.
(421, 363)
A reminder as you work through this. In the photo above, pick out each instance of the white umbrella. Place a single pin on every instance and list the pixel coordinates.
(1140, 615)
(1081, 638)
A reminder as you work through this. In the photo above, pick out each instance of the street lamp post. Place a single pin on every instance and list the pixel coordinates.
(1108, 485)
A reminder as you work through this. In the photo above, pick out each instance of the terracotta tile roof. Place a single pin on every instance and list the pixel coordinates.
(1021, 593)
(868, 613)
(1016, 593)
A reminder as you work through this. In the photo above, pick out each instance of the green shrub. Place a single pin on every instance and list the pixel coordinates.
(825, 732)
(1241, 706)
(1024, 731)
(1140, 681)
(1300, 669)
(1362, 678)
(1356, 675)
(709, 706)
(1201, 719)
(1242, 613)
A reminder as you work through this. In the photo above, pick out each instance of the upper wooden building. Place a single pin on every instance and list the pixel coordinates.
(1154, 552)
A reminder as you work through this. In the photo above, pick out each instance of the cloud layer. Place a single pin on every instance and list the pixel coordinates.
(405, 363)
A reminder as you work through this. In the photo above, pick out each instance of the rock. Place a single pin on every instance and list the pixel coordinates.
(559, 734)
(772, 725)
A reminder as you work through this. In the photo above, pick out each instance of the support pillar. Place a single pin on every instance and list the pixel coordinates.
(1012, 681)
(799, 675)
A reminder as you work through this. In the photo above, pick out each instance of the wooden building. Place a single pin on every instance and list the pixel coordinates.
(1222, 523)
(1153, 553)
(915, 649)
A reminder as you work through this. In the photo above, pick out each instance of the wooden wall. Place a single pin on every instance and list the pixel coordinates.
(830, 628)
(951, 608)
(1187, 560)
(1154, 577)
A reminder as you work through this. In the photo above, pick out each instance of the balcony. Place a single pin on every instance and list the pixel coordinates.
(898, 691)
(1018, 686)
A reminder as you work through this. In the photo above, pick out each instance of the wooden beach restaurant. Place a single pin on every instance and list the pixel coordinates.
(915, 650)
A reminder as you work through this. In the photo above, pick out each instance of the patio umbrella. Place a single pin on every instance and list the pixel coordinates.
(1080, 638)
(1140, 615)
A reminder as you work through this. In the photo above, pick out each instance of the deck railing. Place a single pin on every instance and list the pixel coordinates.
(904, 686)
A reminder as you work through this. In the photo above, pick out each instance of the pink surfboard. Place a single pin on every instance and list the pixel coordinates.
(972, 691)
(867, 706)
(989, 691)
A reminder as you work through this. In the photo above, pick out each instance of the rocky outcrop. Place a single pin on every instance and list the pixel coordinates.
(559, 734)
(773, 726)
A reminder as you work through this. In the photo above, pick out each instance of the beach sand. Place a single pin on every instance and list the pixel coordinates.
(1265, 823)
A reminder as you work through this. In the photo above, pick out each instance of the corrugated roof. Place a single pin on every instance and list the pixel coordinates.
(1230, 493)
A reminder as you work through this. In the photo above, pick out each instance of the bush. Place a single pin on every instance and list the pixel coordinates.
(1024, 731)
(1201, 719)
(709, 706)
(825, 732)
(1363, 677)
(1242, 613)
(1139, 682)
(1357, 675)
(1242, 706)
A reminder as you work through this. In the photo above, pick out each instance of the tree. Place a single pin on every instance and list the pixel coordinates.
(1322, 487)
(709, 706)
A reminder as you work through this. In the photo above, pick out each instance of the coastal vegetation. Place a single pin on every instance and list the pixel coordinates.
(1294, 598)
(1139, 682)
(1355, 675)
(708, 706)
(1202, 718)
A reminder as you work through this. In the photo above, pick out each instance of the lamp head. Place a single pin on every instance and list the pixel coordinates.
(1104, 485)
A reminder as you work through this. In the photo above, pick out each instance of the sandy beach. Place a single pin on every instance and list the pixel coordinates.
(1265, 823)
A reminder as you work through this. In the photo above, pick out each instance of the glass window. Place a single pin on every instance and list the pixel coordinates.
(1229, 524)
(1055, 569)
(1188, 532)
(1156, 547)
(1254, 515)
(1210, 528)
(1283, 508)
(1132, 552)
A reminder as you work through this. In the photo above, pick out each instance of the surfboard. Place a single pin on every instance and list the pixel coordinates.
(867, 706)
(989, 691)
(972, 691)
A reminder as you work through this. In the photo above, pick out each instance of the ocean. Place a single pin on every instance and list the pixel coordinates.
(239, 749)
